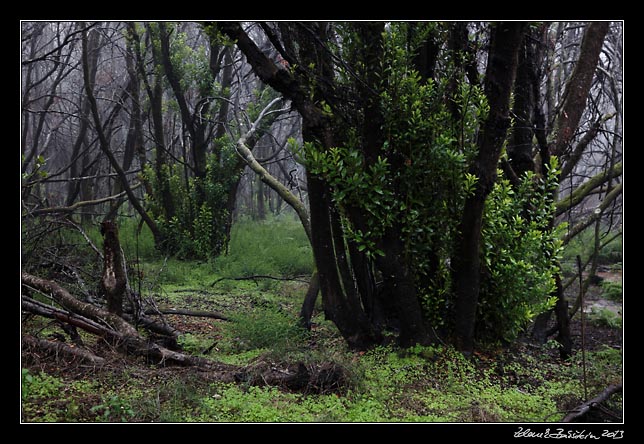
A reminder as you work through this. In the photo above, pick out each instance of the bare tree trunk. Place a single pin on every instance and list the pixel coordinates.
(62, 65)
(576, 92)
(194, 124)
(74, 187)
(60, 348)
(155, 94)
(306, 313)
(114, 281)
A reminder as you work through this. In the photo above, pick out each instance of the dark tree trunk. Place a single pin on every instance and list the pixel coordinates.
(306, 313)
(346, 285)
(427, 54)
(578, 86)
(74, 187)
(400, 287)
(161, 168)
(540, 328)
(343, 311)
(520, 144)
(563, 322)
(134, 138)
(105, 147)
(502, 62)
(195, 125)
(134, 43)
(114, 280)
(261, 200)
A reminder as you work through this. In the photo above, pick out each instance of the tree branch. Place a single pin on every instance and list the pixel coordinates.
(77, 205)
(578, 86)
(250, 278)
(587, 188)
(280, 79)
(108, 325)
(588, 405)
(269, 179)
(574, 157)
(60, 348)
(581, 226)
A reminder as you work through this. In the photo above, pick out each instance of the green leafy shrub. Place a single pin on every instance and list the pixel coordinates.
(198, 229)
(520, 254)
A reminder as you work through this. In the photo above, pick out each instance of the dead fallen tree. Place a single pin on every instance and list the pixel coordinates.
(580, 411)
(57, 348)
(261, 276)
(185, 312)
(124, 337)
(109, 326)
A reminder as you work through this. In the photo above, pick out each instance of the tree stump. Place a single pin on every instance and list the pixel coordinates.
(114, 280)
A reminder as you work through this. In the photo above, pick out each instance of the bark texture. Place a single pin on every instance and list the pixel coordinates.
(114, 279)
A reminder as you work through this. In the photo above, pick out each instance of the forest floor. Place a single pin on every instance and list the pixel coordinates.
(523, 382)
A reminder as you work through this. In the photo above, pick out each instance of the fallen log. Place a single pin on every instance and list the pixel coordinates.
(60, 348)
(108, 325)
(33, 306)
(69, 302)
(184, 312)
(584, 408)
(260, 276)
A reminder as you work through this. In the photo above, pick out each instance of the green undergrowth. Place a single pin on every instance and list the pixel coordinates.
(385, 384)
(425, 384)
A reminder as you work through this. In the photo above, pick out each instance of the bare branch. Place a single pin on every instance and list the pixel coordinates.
(587, 188)
(85, 203)
(269, 179)
(579, 227)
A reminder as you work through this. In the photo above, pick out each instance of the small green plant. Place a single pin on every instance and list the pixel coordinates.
(40, 385)
(114, 409)
(605, 318)
(612, 290)
(194, 344)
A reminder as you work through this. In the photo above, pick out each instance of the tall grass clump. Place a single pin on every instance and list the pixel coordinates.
(265, 328)
(277, 246)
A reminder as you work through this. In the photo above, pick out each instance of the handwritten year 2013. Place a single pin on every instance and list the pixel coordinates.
(561, 433)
